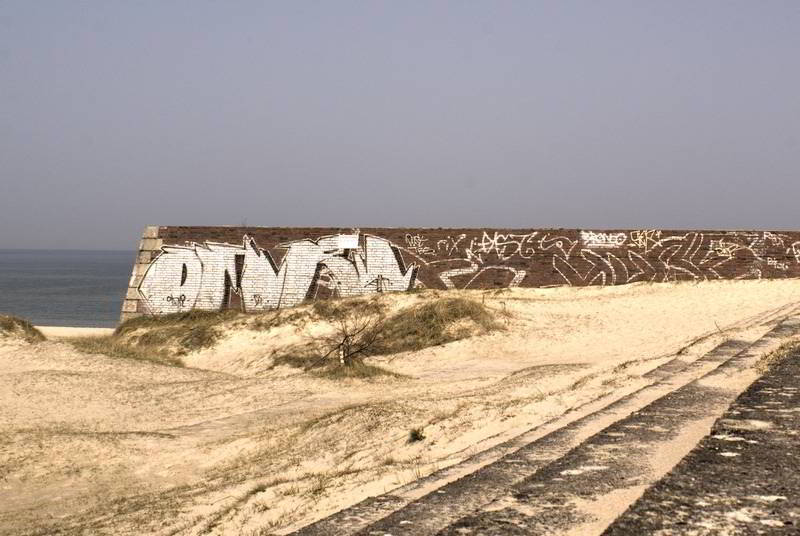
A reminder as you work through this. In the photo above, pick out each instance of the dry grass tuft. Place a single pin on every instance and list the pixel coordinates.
(15, 327)
(160, 339)
(357, 369)
(778, 356)
(333, 309)
(114, 346)
(416, 434)
(183, 320)
(279, 317)
(431, 324)
(309, 359)
(360, 322)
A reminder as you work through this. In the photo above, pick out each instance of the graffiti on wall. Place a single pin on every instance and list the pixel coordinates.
(603, 258)
(210, 276)
(592, 239)
(215, 275)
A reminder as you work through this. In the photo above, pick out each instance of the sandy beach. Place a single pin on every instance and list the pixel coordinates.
(63, 332)
(231, 444)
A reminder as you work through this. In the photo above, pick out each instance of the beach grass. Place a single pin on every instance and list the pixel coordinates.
(166, 339)
(412, 328)
(13, 326)
(432, 324)
(113, 346)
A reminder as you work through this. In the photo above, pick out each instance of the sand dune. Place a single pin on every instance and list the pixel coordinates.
(232, 445)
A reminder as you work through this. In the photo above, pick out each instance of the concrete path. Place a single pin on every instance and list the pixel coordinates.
(743, 478)
(578, 478)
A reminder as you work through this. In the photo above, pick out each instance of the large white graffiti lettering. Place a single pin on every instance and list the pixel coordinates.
(172, 281)
(212, 276)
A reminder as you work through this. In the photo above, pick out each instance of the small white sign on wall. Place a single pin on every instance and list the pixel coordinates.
(347, 241)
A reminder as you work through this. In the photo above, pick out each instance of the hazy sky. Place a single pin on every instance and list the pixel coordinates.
(115, 115)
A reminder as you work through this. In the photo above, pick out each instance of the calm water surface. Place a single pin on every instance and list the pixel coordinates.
(64, 287)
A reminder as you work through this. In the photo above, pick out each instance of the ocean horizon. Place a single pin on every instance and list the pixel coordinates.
(65, 287)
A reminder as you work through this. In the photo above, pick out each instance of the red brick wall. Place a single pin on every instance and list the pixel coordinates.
(432, 258)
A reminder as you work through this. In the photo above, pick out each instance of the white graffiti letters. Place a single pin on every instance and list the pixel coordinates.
(504, 246)
(778, 265)
(646, 239)
(260, 285)
(207, 276)
(213, 276)
(416, 243)
(592, 239)
(171, 285)
(795, 251)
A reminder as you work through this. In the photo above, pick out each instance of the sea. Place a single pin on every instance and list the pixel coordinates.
(64, 287)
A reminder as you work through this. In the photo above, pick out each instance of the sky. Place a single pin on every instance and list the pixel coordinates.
(616, 114)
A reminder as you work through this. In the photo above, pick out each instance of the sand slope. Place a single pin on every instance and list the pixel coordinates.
(91, 444)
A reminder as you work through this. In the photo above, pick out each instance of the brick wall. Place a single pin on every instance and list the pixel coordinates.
(259, 268)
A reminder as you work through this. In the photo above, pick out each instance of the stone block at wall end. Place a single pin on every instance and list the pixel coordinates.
(136, 280)
(132, 294)
(129, 316)
(140, 268)
(145, 257)
(130, 306)
(150, 244)
(151, 231)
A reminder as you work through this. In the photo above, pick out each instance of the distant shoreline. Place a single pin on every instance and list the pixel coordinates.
(74, 288)
(52, 250)
(62, 332)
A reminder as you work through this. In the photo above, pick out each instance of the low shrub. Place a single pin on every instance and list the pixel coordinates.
(361, 330)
